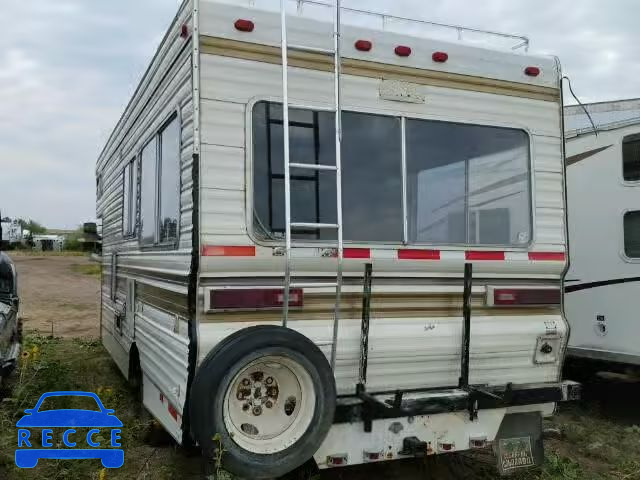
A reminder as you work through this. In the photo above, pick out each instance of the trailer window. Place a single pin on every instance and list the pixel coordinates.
(632, 234)
(169, 191)
(371, 174)
(149, 169)
(129, 204)
(631, 158)
(467, 184)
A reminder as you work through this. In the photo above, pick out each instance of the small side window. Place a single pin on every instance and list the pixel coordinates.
(632, 234)
(129, 198)
(631, 158)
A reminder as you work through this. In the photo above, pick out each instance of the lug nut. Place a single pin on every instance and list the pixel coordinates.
(246, 382)
(269, 404)
(269, 380)
(257, 411)
(245, 407)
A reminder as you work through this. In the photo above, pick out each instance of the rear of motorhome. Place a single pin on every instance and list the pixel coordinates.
(380, 280)
(603, 185)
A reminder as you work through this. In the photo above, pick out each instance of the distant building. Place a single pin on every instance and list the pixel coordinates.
(11, 231)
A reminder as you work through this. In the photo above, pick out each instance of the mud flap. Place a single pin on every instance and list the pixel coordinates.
(518, 444)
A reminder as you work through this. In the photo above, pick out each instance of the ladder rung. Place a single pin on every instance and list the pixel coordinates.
(313, 166)
(322, 51)
(323, 226)
(315, 285)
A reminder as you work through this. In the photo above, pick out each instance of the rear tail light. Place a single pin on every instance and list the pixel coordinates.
(523, 296)
(244, 298)
(478, 442)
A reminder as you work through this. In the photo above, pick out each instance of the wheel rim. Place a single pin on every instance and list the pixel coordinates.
(269, 405)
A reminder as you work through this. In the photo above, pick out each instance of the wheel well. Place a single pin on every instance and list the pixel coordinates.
(135, 370)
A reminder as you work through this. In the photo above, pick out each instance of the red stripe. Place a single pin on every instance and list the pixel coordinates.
(357, 253)
(173, 412)
(547, 256)
(224, 251)
(419, 254)
(484, 255)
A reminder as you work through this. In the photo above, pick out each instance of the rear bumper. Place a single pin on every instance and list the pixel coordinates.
(369, 407)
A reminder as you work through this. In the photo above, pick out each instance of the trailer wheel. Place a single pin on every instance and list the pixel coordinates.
(263, 401)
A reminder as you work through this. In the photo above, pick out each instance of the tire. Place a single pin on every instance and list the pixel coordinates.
(267, 396)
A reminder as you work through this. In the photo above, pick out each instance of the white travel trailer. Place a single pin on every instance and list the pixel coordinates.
(603, 186)
(274, 318)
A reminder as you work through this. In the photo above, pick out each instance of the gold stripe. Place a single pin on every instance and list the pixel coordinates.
(315, 61)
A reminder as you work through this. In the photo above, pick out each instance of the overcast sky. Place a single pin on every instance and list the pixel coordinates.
(68, 68)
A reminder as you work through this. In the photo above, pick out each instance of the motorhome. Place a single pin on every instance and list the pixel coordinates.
(337, 235)
(603, 185)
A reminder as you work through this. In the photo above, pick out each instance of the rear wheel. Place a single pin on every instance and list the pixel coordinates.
(263, 402)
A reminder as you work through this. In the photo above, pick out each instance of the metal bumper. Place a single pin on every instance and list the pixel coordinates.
(366, 407)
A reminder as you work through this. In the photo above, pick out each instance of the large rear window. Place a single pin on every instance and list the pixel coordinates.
(463, 184)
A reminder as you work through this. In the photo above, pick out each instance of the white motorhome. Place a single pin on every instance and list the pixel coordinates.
(274, 318)
(603, 185)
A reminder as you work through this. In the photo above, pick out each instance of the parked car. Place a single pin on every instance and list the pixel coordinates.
(10, 327)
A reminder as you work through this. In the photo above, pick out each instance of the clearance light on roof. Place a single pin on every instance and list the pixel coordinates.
(440, 57)
(250, 298)
(403, 51)
(244, 25)
(364, 45)
(525, 296)
(532, 71)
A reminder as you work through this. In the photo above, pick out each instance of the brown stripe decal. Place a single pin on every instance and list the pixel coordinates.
(581, 156)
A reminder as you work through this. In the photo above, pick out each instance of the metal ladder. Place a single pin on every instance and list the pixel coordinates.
(290, 226)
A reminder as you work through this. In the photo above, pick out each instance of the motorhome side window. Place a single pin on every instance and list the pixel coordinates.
(631, 158)
(160, 187)
(129, 203)
(632, 234)
(466, 184)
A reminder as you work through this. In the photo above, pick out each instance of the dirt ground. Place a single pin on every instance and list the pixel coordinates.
(595, 439)
(57, 296)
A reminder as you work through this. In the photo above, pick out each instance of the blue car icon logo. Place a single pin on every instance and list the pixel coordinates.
(103, 438)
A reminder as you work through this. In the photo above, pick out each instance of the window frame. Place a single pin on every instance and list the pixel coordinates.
(134, 166)
(175, 114)
(403, 116)
(632, 137)
(623, 249)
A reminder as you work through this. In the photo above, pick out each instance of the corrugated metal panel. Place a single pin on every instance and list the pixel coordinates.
(407, 352)
(161, 331)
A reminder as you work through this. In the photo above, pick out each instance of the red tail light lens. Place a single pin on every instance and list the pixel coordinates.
(245, 298)
(526, 296)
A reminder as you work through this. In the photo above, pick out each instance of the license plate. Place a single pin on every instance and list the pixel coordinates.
(514, 453)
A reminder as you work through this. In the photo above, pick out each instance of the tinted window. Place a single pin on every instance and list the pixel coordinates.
(632, 234)
(467, 184)
(631, 158)
(169, 182)
(148, 193)
(129, 203)
(371, 174)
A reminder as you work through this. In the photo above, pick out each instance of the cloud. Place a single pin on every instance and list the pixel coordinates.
(68, 67)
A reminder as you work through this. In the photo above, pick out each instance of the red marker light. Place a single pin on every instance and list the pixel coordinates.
(403, 51)
(532, 71)
(364, 45)
(244, 25)
(184, 31)
(440, 57)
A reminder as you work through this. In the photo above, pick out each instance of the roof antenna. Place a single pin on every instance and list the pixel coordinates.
(595, 129)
